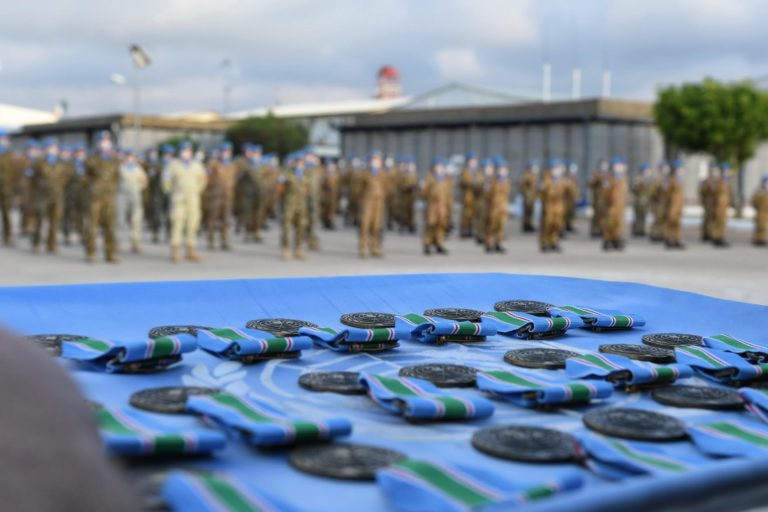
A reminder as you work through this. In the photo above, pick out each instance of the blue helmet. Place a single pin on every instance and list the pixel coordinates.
(487, 162)
(167, 148)
(725, 166)
(470, 155)
(617, 160)
(438, 160)
(499, 161)
(554, 162)
(375, 154)
(225, 146)
(33, 143)
(679, 163)
(185, 144)
(533, 162)
(644, 166)
(50, 141)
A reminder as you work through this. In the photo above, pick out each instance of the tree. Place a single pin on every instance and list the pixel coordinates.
(278, 135)
(727, 121)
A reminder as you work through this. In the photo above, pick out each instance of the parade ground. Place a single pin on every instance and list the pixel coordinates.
(736, 273)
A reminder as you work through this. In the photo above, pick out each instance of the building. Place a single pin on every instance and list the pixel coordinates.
(13, 117)
(140, 132)
(582, 131)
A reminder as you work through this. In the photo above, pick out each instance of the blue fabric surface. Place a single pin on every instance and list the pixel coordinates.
(127, 311)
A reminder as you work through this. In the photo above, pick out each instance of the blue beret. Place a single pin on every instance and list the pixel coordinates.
(470, 155)
(644, 166)
(375, 153)
(167, 148)
(679, 163)
(50, 141)
(617, 160)
(256, 147)
(499, 161)
(78, 147)
(663, 162)
(225, 145)
(533, 162)
(103, 134)
(554, 162)
(33, 143)
(438, 160)
(486, 162)
(129, 151)
(185, 144)
(725, 166)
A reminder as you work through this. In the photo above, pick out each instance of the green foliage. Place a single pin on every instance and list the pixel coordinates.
(727, 121)
(278, 135)
(176, 140)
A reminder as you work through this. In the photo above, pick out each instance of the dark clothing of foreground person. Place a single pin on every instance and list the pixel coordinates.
(51, 457)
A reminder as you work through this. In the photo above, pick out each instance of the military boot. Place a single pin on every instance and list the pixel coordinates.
(192, 255)
(175, 254)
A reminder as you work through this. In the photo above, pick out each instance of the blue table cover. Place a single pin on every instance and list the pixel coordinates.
(126, 311)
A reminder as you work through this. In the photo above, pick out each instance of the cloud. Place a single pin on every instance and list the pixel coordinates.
(299, 50)
(458, 64)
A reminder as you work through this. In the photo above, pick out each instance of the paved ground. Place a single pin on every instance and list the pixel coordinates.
(739, 273)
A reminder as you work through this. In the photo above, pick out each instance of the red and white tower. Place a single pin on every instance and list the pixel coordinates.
(388, 83)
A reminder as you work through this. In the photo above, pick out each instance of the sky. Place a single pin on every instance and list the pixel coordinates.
(295, 51)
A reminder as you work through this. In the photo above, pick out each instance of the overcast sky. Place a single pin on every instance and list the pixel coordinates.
(309, 50)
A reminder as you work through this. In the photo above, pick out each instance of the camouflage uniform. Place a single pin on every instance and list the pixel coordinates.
(486, 180)
(157, 202)
(102, 174)
(614, 202)
(595, 187)
(8, 189)
(674, 200)
(721, 201)
(74, 199)
(641, 198)
(314, 173)
(658, 203)
(48, 183)
(552, 195)
(222, 173)
(571, 196)
(329, 203)
(528, 190)
(467, 188)
(436, 195)
(760, 204)
(497, 209)
(407, 187)
(295, 188)
(372, 191)
(707, 197)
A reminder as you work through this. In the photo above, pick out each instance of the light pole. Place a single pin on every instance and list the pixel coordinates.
(140, 61)
(229, 73)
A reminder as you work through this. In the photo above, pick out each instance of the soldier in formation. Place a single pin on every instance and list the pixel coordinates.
(133, 183)
(294, 190)
(220, 197)
(614, 193)
(760, 204)
(719, 203)
(529, 191)
(9, 178)
(60, 190)
(674, 200)
(436, 193)
(468, 193)
(184, 180)
(372, 193)
(641, 199)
